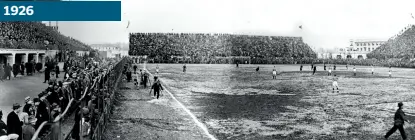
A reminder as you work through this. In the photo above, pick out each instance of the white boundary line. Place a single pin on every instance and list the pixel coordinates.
(198, 123)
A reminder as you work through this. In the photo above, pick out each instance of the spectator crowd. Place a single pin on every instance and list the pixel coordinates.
(51, 102)
(35, 35)
(217, 48)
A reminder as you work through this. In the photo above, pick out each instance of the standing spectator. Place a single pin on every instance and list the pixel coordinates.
(52, 78)
(33, 69)
(27, 106)
(1, 72)
(57, 70)
(14, 125)
(42, 113)
(38, 67)
(76, 129)
(16, 68)
(129, 75)
(22, 67)
(85, 123)
(27, 66)
(29, 129)
(8, 71)
(3, 126)
(65, 66)
(47, 73)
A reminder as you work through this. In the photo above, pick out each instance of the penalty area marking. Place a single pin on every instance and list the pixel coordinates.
(198, 123)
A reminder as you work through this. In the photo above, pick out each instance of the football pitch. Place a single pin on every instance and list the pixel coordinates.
(241, 103)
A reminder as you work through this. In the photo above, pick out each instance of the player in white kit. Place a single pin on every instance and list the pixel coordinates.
(335, 85)
(390, 72)
(354, 70)
(373, 70)
(157, 69)
(274, 73)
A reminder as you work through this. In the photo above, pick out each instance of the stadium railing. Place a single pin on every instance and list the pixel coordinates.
(55, 131)
(114, 78)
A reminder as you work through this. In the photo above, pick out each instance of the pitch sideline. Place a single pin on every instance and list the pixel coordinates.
(198, 123)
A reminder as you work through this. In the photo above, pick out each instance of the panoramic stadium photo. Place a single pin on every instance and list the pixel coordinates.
(211, 70)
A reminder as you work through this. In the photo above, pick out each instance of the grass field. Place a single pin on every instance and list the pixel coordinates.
(240, 103)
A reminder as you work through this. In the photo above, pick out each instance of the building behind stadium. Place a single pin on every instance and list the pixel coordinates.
(358, 49)
(110, 50)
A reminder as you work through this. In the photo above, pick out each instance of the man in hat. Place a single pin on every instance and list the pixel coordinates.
(14, 125)
(21, 68)
(399, 122)
(47, 74)
(3, 126)
(16, 69)
(27, 106)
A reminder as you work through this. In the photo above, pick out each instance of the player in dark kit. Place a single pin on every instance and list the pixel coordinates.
(184, 68)
(399, 122)
(314, 69)
(156, 87)
(237, 64)
(257, 69)
(301, 67)
(324, 67)
(312, 65)
(334, 67)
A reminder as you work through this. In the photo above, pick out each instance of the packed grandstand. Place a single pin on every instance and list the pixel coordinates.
(35, 35)
(219, 48)
(397, 47)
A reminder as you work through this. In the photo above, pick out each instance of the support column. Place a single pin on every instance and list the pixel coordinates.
(36, 57)
(26, 57)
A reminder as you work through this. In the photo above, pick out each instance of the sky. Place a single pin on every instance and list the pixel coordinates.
(326, 23)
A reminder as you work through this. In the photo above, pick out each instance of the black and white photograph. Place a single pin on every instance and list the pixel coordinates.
(214, 70)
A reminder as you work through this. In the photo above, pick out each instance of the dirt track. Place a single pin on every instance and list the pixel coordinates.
(140, 116)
